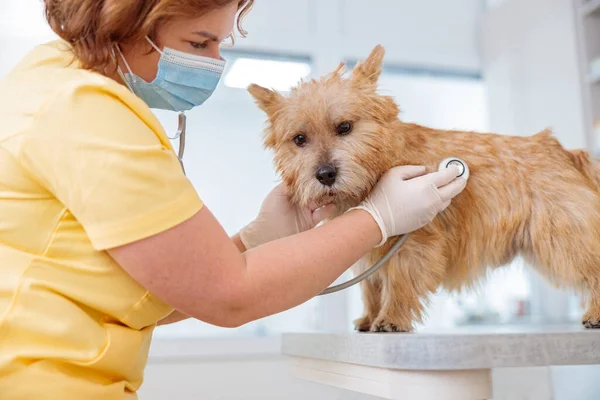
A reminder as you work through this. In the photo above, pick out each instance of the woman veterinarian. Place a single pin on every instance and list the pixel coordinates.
(102, 237)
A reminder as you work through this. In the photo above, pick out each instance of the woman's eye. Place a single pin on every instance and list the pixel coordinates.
(300, 140)
(199, 46)
(344, 128)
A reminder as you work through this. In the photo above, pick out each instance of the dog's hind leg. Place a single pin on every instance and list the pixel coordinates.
(565, 244)
(591, 319)
(590, 168)
(410, 277)
(571, 261)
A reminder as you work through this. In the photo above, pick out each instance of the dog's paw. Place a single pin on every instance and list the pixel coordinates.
(592, 323)
(363, 324)
(388, 325)
(591, 320)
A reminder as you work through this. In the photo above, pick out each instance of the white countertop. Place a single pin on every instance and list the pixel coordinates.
(457, 349)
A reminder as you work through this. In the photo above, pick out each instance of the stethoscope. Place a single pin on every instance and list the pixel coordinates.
(446, 163)
(180, 134)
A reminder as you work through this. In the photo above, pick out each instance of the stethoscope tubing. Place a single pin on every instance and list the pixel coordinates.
(374, 268)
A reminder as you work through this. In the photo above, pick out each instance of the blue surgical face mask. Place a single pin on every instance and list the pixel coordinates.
(183, 81)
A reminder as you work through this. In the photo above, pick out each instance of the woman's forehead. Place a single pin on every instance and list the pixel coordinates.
(215, 25)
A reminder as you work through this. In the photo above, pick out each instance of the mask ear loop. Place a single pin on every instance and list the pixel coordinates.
(119, 71)
(154, 45)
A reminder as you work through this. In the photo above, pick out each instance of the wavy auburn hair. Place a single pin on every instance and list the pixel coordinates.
(92, 27)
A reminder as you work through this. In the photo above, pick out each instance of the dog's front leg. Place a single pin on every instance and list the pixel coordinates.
(409, 278)
(371, 295)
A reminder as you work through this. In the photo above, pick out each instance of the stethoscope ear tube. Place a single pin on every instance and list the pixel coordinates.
(181, 132)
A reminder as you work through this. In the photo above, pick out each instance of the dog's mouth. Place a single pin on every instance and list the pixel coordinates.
(326, 199)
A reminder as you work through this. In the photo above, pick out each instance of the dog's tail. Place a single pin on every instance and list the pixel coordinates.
(589, 166)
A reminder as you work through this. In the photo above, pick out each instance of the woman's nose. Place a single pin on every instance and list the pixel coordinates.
(215, 53)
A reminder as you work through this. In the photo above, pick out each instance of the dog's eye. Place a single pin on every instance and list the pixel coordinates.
(344, 128)
(300, 140)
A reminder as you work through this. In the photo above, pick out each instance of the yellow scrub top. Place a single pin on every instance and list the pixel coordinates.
(84, 166)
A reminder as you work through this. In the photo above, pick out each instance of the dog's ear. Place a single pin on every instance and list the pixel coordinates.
(340, 70)
(268, 100)
(367, 73)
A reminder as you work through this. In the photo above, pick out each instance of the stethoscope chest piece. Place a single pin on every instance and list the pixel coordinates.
(454, 161)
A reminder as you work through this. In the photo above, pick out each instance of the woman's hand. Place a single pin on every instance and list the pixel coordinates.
(405, 199)
(279, 218)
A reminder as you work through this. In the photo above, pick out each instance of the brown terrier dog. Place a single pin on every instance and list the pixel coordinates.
(333, 138)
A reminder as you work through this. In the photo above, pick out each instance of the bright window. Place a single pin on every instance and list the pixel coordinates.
(279, 75)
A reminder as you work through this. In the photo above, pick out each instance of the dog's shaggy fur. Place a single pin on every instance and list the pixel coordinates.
(526, 195)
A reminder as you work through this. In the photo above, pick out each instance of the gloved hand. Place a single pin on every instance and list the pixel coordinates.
(279, 218)
(404, 200)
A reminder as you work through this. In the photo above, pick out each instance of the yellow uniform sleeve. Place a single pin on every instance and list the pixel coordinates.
(105, 161)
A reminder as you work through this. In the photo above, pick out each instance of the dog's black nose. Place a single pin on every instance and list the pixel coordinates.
(326, 175)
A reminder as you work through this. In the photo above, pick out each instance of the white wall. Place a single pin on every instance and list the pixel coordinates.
(426, 32)
(22, 26)
(529, 61)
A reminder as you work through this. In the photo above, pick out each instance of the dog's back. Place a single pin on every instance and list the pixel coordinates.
(588, 166)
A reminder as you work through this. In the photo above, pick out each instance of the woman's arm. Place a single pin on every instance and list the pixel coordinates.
(196, 268)
(175, 316)
(178, 316)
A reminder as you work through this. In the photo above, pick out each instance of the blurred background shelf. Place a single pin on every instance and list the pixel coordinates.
(588, 33)
(594, 74)
(590, 7)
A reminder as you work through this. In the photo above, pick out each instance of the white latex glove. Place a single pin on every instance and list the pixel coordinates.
(279, 218)
(405, 200)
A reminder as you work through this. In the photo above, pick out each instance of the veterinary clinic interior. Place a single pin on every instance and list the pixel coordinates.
(522, 324)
